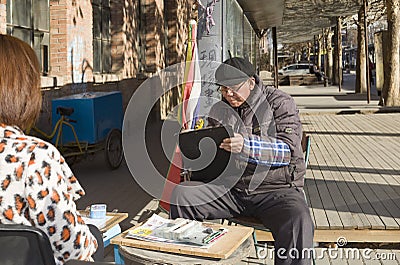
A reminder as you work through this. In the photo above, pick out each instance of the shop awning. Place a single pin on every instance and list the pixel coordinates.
(297, 20)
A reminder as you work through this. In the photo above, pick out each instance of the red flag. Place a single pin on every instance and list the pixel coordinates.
(190, 95)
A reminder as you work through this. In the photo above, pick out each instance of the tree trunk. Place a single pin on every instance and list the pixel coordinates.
(393, 18)
(315, 51)
(335, 56)
(337, 66)
(383, 70)
(329, 70)
(325, 45)
(340, 54)
(320, 51)
(361, 74)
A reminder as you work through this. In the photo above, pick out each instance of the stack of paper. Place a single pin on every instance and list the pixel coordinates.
(99, 223)
(179, 231)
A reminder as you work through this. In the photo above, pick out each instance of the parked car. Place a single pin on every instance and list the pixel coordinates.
(295, 69)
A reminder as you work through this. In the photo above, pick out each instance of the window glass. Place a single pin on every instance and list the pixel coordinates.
(41, 14)
(247, 30)
(96, 55)
(41, 46)
(292, 67)
(303, 66)
(228, 30)
(101, 36)
(37, 46)
(105, 27)
(141, 37)
(96, 22)
(8, 12)
(22, 34)
(255, 49)
(238, 35)
(21, 13)
(105, 3)
(233, 36)
(106, 56)
(238, 29)
(28, 20)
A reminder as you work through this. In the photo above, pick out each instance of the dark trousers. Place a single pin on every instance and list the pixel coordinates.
(284, 212)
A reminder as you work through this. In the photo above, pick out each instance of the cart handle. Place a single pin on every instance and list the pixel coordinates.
(70, 120)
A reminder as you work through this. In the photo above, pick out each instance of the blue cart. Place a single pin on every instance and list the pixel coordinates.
(87, 123)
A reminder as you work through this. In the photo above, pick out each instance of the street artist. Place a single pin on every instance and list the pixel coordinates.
(267, 141)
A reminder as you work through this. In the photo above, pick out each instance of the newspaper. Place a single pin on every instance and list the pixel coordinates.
(179, 231)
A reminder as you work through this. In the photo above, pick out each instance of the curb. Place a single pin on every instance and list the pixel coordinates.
(381, 110)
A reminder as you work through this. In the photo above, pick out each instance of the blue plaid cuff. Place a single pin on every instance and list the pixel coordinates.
(257, 151)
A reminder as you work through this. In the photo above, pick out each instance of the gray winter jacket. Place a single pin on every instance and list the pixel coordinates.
(269, 113)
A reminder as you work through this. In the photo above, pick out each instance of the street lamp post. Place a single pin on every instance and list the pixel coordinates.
(275, 48)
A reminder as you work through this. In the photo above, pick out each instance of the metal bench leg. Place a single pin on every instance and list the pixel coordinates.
(118, 258)
(255, 243)
(313, 260)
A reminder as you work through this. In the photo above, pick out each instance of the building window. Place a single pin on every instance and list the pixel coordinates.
(101, 36)
(29, 21)
(233, 31)
(141, 37)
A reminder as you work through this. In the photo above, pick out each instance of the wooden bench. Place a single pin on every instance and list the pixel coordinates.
(299, 80)
(267, 78)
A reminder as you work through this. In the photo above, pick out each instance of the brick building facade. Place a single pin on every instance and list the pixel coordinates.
(98, 45)
(3, 16)
(103, 45)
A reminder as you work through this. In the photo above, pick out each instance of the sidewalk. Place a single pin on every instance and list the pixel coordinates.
(318, 99)
(353, 177)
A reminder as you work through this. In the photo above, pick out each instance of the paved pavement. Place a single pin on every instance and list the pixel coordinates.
(318, 99)
(119, 190)
(353, 175)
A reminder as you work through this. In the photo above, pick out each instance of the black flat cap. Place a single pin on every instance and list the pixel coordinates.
(234, 71)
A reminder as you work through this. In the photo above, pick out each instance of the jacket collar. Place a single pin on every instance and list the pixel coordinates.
(7, 131)
(254, 97)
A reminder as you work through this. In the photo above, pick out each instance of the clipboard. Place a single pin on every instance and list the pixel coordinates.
(201, 154)
(115, 219)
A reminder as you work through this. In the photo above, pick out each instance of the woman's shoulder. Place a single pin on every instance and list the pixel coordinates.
(40, 143)
(21, 143)
(41, 148)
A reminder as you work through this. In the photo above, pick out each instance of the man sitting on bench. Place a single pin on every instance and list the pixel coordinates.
(267, 146)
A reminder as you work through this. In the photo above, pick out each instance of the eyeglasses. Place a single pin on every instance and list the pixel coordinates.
(226, 89)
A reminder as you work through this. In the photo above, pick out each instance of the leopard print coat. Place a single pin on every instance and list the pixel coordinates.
(38, 188)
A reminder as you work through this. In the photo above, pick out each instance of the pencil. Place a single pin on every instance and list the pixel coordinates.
(211, 237)
(220, 235)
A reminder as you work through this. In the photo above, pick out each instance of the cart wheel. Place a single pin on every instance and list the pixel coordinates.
(113, 148)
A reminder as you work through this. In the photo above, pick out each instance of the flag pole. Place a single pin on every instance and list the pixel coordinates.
(185, 114)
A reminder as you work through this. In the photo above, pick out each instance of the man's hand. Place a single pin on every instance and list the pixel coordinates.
(233, 144)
